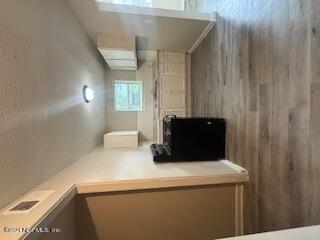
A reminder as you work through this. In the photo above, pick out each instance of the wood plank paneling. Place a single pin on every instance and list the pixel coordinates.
(259, 68)
(265, 172)
(314, 210)
(315, 41)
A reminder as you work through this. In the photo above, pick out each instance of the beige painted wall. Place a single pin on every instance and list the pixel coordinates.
(45, 58)
(142, 121)
(118, 120)
(145, 117)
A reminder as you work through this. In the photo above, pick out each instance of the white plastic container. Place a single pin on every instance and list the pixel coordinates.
(121, 139)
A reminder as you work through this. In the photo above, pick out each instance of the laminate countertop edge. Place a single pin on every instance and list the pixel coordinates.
(143, 184)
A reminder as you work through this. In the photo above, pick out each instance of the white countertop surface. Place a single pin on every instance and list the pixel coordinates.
(105, 170)
(304, 233)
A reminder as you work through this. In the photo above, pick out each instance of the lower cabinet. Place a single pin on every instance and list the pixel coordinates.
(188, 213)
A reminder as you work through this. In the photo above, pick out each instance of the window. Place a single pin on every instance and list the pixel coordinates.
(128, 95)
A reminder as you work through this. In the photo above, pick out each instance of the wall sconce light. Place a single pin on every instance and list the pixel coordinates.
(88, 94)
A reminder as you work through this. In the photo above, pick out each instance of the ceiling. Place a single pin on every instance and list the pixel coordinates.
(152, 32)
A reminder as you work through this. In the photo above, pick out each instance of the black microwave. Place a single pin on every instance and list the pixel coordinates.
(191, 139)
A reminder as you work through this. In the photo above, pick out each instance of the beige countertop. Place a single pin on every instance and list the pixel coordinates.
(304, 233)
(105, 170)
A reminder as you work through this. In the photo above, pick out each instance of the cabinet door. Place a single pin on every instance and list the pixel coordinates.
(172, 100)
(174, 57)
(161, 57)
(175, 68)
(188, 213)
(172, 83)
(172, 86)
(162, 70)
(172, 69)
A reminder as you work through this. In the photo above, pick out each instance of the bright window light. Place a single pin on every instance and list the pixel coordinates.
(139, 3)
(88, 94)
(168, 4)
(128, 95)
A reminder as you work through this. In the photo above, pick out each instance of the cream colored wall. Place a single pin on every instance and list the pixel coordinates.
(145, 117)
(118, 120)
(45, 58)
(142, 121)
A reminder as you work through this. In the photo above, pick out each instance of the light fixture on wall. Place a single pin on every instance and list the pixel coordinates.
(88, 94)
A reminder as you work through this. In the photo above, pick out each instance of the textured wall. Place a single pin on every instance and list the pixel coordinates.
(45, 59)
(259, 68)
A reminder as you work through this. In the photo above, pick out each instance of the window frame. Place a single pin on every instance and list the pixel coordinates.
(141, 95)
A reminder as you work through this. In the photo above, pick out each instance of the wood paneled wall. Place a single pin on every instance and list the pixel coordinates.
(260, 69)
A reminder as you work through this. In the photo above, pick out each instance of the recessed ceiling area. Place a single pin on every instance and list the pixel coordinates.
(169, 30)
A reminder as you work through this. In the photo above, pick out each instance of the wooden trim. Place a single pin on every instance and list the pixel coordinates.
(188, 86)
(202, 36)
(235, 166)
(115, 186)
(239, 209)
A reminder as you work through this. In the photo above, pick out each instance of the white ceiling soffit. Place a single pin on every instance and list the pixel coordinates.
(147, 11)
(118, 51)
(168, 30)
